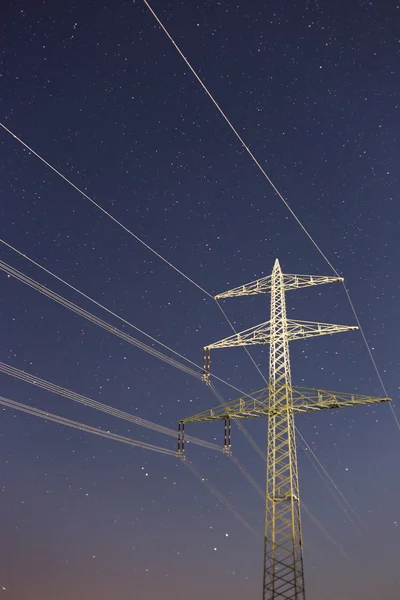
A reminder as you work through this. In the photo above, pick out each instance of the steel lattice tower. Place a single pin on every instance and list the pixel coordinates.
(280, 401)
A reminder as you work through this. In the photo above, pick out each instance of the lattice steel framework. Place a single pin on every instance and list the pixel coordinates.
(283, 557)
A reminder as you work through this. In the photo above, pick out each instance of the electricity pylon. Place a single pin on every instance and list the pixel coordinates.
(280, 401)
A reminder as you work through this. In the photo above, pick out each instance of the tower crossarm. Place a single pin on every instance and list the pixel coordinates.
(290, 282)
(300, 330)
(295, 282)
(310, 399)
(296, 330)
(304, 400)
(258, 334)
(259, 286)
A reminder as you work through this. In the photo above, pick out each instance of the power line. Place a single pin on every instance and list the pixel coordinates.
(243, 143)
(103, 210)
(11, 271)
(56, 389)
(84, 400)
(93, 319)
(98, 304)
(125, 440)
(81, 426)
(172, 265)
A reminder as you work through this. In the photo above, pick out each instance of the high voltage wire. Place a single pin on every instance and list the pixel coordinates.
(103, 210)
(244, 145)
(81, 426)
(38, 287)
(11, 271)
(56, 389)
(28, 378)
(93, 319)
(114, 314)
(125, 440)
(32, 283)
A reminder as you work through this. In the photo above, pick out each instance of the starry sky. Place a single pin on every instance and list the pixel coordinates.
(99, 91)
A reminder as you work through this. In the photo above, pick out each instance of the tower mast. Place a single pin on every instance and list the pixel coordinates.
(283, 557)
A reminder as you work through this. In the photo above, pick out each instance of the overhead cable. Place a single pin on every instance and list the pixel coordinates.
(125, 440)
(93, 319)
(98, 304)
(81, 426)
(56, 389)
(103, 210)
(38, 286)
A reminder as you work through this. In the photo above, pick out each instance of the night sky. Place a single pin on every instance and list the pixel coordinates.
(99, 91)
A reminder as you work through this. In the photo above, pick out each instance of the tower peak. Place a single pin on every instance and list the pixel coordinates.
(277, 265)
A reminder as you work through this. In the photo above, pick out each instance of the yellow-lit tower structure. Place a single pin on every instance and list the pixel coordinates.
(283, 577)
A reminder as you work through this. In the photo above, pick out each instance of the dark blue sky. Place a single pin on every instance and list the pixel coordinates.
(98, 90)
